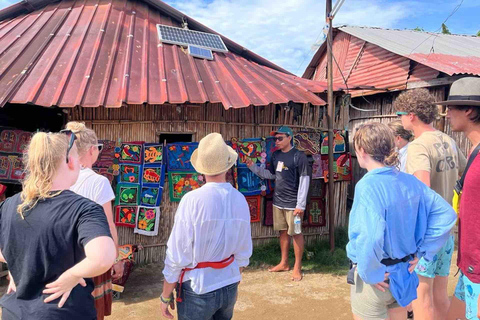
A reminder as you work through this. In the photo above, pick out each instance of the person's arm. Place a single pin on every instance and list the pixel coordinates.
(244, 249)
(440, 220)
(261, 172)
(418, 162)
(179, 253)
(2, 259)
(368, 229)
(100, 254)
(304, 184)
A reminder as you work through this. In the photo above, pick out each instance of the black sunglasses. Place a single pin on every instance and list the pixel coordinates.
(72, 137)
(279, 138)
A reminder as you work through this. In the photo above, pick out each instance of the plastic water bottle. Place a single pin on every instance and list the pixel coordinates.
(297, 222)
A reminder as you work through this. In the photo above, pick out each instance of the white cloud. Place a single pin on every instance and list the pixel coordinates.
(283, 31)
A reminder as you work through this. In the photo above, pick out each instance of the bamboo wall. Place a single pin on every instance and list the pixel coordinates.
(146, 123)
(385, 113)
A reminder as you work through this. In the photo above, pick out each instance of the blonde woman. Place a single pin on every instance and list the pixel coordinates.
(96, 188)
(52, 238)
(394, 218)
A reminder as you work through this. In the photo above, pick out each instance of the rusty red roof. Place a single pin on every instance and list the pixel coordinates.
(107, 53)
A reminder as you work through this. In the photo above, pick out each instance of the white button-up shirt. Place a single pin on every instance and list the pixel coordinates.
(211, 224)
(402, 157)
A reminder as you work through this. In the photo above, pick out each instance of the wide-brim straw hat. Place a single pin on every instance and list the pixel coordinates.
(213, 156)
(464, 92)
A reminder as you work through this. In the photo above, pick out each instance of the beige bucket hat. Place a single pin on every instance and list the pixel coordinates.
(464, 92)
(213, 156)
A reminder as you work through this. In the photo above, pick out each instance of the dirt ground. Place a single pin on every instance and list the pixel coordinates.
(262, 295)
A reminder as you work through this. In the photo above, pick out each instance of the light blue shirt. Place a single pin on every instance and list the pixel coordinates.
(393, 215)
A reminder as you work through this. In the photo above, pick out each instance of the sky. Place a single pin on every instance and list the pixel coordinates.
(286, 31)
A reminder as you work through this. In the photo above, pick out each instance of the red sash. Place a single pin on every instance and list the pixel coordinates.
(215, 265)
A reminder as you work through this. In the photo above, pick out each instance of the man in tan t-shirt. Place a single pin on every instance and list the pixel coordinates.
(433, 157)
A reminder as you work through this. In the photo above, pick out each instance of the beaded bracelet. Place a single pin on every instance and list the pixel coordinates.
(166, 301)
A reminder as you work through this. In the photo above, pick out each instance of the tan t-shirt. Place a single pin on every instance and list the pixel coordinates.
(437, 153)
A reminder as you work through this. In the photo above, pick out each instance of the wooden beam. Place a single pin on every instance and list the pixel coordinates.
(433, 82)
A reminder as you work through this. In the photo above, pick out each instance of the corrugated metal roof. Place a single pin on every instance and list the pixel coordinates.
(107, 53)
(451, 54)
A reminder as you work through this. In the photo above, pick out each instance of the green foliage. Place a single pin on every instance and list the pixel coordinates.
(316, 258)
(445, 29)
(418, 29)
(478, 34)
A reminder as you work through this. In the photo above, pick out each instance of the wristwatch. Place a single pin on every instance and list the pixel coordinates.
(166, 301)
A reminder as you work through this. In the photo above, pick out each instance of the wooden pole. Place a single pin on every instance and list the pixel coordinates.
(330, 119)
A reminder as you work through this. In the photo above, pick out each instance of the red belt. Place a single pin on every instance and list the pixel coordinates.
(215, 265)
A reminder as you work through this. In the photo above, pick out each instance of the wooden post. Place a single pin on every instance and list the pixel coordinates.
(330, 119)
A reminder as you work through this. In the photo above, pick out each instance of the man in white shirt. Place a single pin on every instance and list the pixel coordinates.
(210, 242)
(402, 140)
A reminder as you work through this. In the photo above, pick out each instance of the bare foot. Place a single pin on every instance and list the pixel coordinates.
(297, 275)
(279, 268)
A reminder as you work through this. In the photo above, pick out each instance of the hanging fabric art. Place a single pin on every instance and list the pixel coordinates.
(178, 156)
(249, 183)
(339, 142)
(182, 182)
(317, 167)
(317, 188)
(342, 167)
(308, 142)
(147, 221)
(127, 195)
(153, 176)
(316, 212)
(153, 154)
(268, 219)
(125, 216)
(130, 173)
(254, 206)
(251, 149)
(151, 196)
(105, 161)
(131, 152)
(12, 145)
(232, 176)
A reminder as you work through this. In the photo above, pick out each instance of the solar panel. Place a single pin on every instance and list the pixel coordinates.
(181, 36)
(200, 52)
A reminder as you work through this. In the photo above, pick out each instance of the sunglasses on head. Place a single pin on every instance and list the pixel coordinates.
(71, 141)
(100, 147)
(401, 113)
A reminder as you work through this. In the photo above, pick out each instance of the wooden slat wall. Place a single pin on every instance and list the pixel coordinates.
(385, 113)
(145, 123)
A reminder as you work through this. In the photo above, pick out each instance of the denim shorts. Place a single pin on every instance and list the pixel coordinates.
(440, 264)
(215, 305)
(468, 292)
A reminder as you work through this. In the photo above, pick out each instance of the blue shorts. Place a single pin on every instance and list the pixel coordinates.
(440, 264)
(468, 292)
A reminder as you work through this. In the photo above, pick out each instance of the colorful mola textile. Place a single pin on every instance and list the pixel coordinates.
(130, 173)
(105, 161)
(339, 142)
(316, 212)
(249, 183)
(253, 149)
(131, 152)
(268, 219)
(153, 154)
(153, 176)
(182, 182)
(308, 142)
(125, 216)
(317, 167)
(151, 196)
(127, 195)
(12, 145)
(254, 206)
(342, 167)
(147, 221)
(178, 156)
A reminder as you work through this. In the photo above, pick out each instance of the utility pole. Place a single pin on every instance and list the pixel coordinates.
(330, 119)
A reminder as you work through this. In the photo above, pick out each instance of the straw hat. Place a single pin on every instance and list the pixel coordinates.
(464, 92)
(213, 156)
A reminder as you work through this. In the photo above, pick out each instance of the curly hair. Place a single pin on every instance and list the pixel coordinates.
(377, 140)
(419, 102)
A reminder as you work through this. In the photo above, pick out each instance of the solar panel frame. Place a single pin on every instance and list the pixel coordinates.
(185, 37)
(199, 54)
